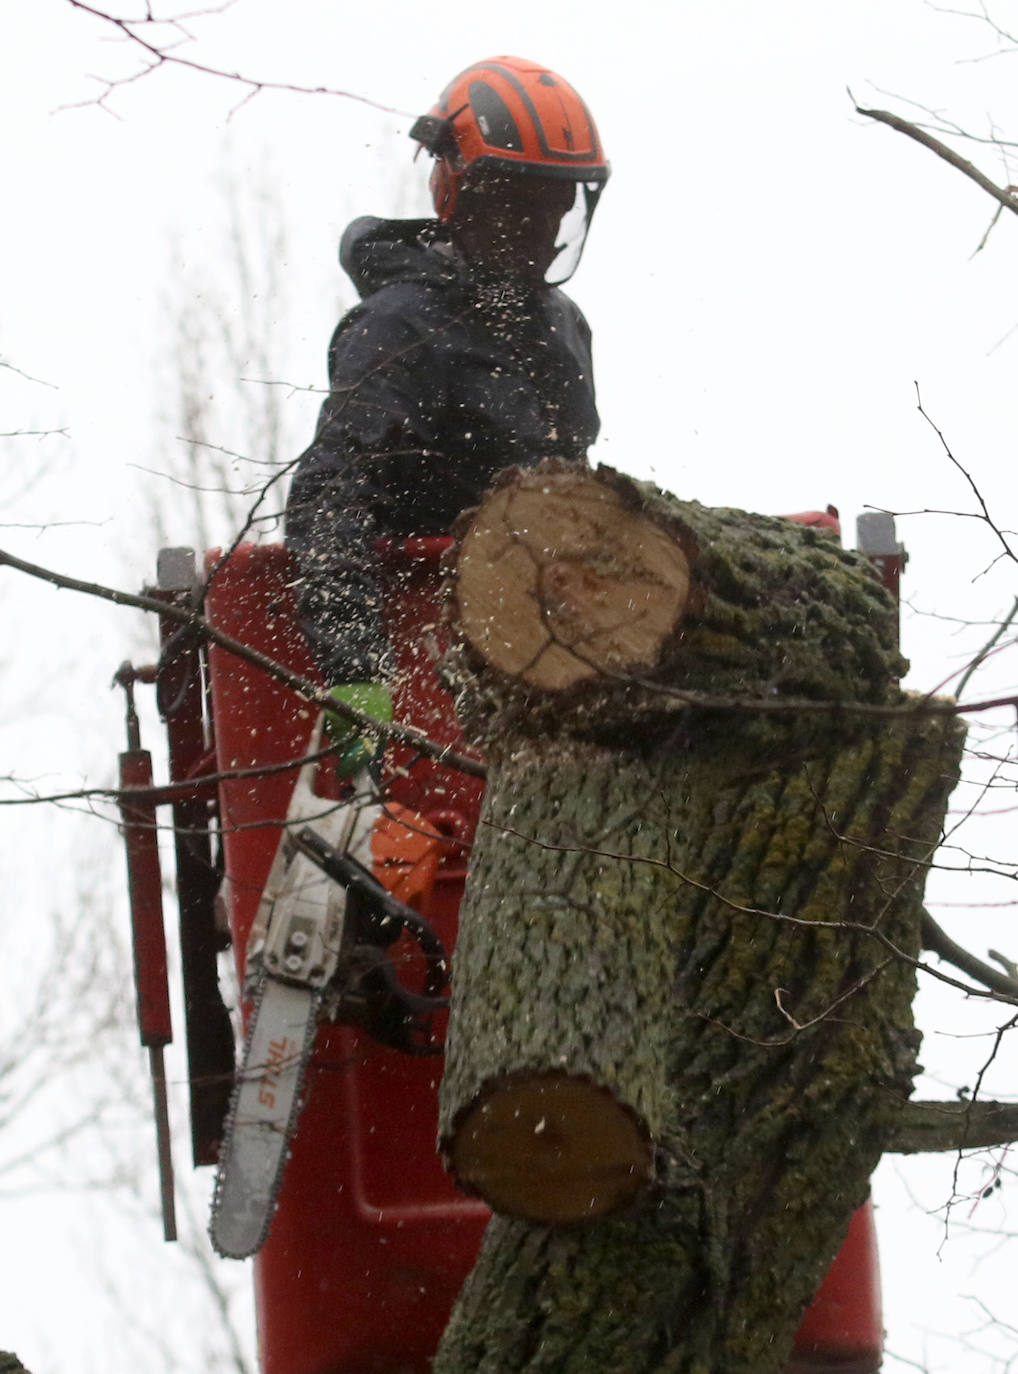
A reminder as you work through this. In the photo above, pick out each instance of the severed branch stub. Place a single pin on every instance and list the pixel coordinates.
(921, 1127)
(552, 1147)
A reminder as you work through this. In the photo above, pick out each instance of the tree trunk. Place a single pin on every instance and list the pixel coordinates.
(587, 600)
(683, 978)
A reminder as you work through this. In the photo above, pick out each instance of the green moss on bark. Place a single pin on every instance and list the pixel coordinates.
(760, 1018)
(714, 912)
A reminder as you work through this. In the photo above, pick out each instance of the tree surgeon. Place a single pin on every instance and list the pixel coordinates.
(463, 357)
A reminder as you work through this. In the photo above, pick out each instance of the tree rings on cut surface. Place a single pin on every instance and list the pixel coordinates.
(558, 580)
(551, 1148)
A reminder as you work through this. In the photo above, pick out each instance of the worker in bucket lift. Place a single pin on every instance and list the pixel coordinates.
(462, 358)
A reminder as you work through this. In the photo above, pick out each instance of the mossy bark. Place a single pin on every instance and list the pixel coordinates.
(705, 909)
(763, 1010)
(565, 966)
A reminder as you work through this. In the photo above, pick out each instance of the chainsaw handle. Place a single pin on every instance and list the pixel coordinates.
(349, 873)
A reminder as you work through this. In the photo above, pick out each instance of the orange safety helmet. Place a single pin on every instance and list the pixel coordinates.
(510, 114)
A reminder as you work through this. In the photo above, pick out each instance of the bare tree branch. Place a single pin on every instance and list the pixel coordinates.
(1003, 194)
(27, 376)
(984, 17)
(983, 513)
(940, 943)
(143, 33)
(417, 739)
(939, 1126)
(160, 794)
(997, 993)
(32, 433)
(311, 691)
(987, 649)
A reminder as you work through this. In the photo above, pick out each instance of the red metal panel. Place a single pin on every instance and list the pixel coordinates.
(820, 519)
(145, 887)
(371, 1241)
(843, 1329)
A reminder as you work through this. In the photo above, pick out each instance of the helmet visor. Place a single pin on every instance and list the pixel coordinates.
(523, 225)
(572, 233)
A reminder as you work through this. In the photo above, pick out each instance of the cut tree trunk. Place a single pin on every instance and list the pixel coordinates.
(681, 1014)
(585, 591)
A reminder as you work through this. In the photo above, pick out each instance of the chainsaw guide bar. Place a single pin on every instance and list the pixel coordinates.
(293, 953)
(263, 1116)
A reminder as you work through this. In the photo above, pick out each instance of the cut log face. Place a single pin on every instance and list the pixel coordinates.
(559, 581)
(553, 1148)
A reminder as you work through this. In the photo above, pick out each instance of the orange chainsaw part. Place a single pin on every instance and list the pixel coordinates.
(406, 850)
(371, 1242)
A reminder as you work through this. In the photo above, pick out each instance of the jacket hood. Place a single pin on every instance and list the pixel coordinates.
(377, 252)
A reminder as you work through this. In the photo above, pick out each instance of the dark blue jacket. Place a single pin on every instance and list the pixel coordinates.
(438, 379)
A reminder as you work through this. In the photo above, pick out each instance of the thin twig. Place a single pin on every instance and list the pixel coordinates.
(983, 508)
(156, 55)
(304, 687)
(984, 652)
(855, 927)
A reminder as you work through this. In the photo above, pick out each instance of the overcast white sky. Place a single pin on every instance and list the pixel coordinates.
(767, 278)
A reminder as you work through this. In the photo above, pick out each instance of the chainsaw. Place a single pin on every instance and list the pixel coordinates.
(317, 951)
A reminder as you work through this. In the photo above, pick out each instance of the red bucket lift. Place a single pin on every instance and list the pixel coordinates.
(370, 1242)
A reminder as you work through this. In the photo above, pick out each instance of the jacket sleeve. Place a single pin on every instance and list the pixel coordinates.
(384, 399)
